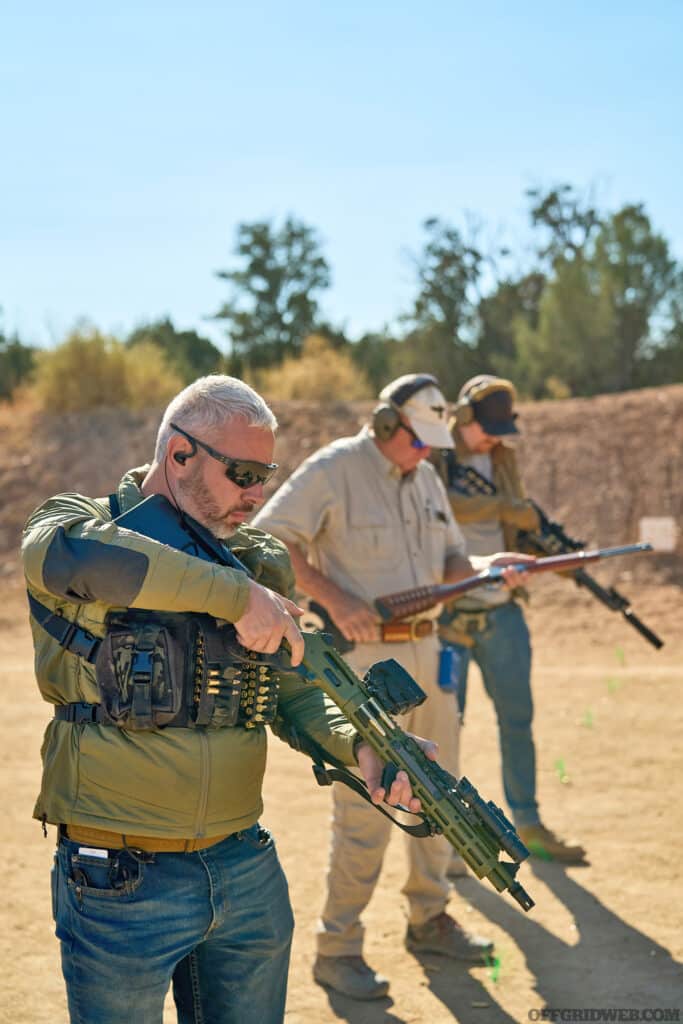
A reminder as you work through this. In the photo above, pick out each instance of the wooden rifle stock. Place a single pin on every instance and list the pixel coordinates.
(406, 603)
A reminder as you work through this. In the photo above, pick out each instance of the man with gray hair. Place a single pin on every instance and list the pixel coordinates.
(153, 762)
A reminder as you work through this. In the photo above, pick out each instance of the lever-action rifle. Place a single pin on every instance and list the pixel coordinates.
(549, 539)
(406, 603)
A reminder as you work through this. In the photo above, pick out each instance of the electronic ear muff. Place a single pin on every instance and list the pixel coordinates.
(386, 418)
(474, 391)
(385, 421)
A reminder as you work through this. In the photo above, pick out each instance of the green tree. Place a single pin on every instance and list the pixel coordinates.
(511, 303)
(567, 222)
(632, 264)
(273, 303)
(374, 355)
(187, 352)
(662, 361)
(602, 314)
(16, 364)
(664, 365)
(571, 350)
(429, 349)
(448, 271)
(441, 325)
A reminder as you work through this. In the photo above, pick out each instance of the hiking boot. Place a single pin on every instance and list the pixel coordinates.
(441, 934)
(351, 976)
(457, 868)
(545, 845)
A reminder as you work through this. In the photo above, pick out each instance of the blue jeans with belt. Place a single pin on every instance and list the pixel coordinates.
(502, 650)
(217, 922)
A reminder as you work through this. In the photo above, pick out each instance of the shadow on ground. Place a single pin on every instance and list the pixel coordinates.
(611, 964)
(450, 982)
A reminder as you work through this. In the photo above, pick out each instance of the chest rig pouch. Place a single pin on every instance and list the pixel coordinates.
(156, 670)
(160, 669)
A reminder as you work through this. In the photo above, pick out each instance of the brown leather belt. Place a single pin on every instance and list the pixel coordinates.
(151, 844)
(400, 632)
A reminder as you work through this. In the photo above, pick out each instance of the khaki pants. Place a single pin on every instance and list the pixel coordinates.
(360, 834)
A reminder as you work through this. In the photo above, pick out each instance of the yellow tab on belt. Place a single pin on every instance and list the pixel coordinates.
(151, 844)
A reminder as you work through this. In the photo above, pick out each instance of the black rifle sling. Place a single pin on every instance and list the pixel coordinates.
(325, 776)
(69, 635)
(465, 479)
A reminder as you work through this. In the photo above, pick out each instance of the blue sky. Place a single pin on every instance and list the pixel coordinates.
(135, 139)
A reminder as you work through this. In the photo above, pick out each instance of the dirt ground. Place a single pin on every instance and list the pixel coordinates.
(609, 720)
(608, 727)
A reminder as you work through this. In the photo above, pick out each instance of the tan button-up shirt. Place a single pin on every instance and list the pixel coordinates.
(364, 526)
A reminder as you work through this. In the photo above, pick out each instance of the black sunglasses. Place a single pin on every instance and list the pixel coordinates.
(244, 473)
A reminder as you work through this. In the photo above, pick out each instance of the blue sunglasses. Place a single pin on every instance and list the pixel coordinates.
(416, 442)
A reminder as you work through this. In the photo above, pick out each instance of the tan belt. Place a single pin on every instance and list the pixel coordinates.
(151, 844)
(400, 632)
(463, 626)
(472, 622)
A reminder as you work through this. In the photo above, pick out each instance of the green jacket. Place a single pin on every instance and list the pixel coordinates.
(175, 782)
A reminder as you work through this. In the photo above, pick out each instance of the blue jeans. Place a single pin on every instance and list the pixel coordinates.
(217, 921)
(503, 653)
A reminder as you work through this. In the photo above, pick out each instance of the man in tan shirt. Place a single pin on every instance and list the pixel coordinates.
(364, 516)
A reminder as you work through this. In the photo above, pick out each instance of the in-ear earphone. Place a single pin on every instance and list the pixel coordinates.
(182, 457)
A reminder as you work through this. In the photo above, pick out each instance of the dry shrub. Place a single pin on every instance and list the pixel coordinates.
(90, 370)
(150, 379)
(555, 387)
(320, 373)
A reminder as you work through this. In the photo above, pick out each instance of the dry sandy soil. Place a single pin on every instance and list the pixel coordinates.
(607, 935)
(609, 718)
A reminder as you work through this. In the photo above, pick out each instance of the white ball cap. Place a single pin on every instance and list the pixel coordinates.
(427, 413)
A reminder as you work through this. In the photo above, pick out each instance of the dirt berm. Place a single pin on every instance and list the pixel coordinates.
(595, 464)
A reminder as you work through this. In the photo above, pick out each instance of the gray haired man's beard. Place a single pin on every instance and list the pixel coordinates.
(221, 530)
(199, 503)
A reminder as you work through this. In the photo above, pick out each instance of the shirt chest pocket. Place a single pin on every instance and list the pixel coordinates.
(372, 543)
(434, 547)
